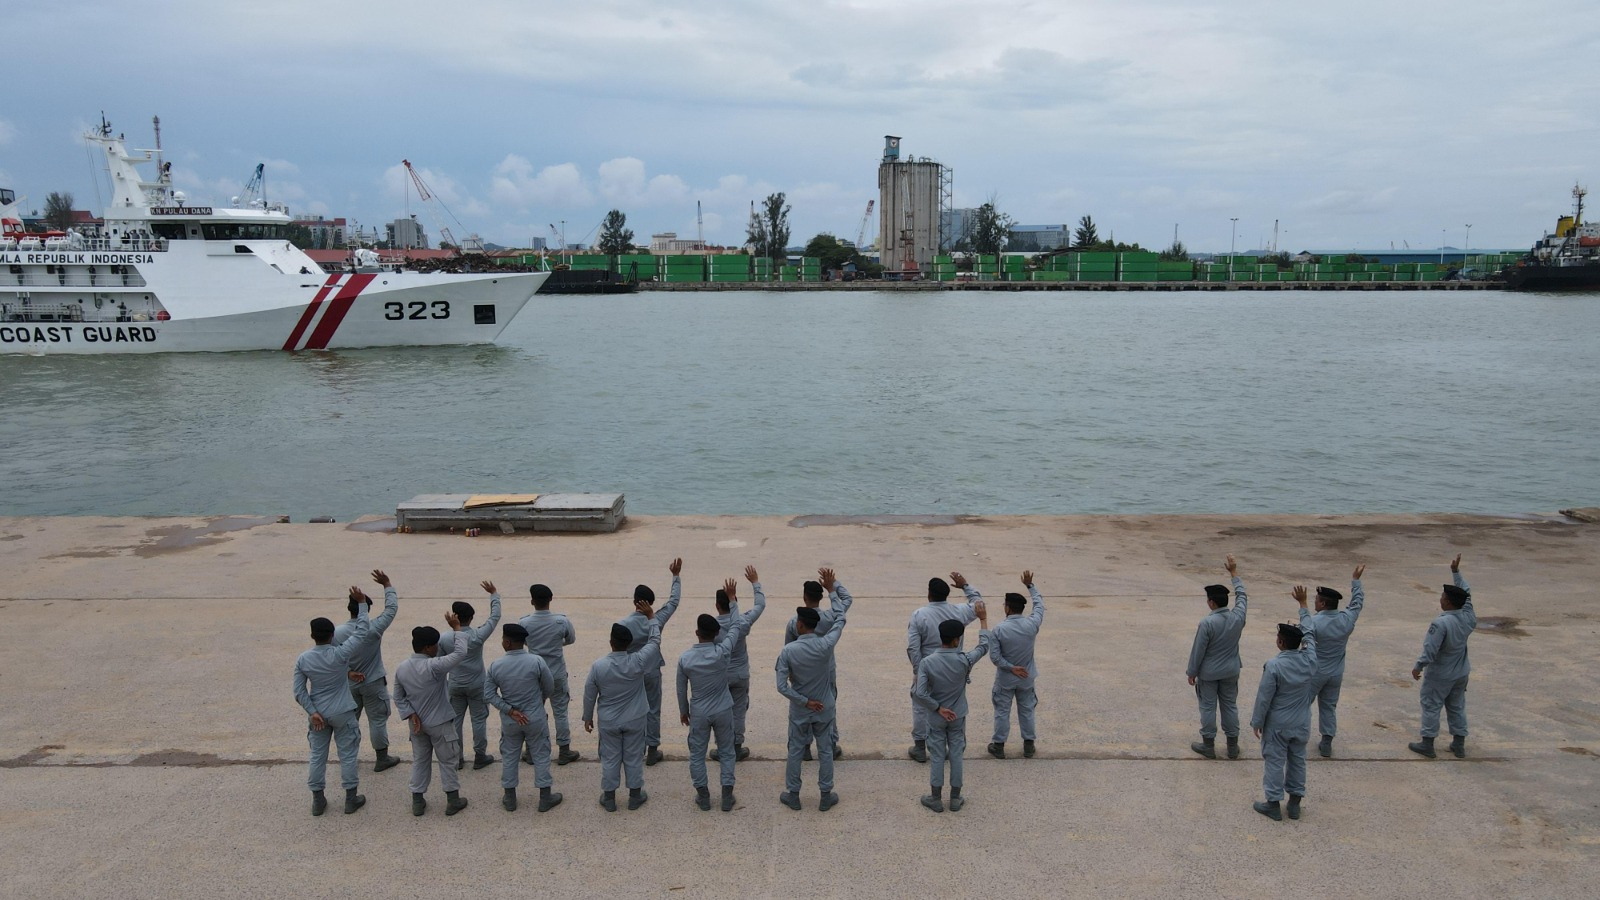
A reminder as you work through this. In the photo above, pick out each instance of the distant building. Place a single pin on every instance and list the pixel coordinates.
(1038, 238)
(538, 243)
(406, 234)
(326, 234)
(955, 224)
(668, 242)
(913, 195)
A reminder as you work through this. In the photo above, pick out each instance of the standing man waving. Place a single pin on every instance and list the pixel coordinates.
(1214, 665)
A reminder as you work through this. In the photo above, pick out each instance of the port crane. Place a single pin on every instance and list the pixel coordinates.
(474, 244)
(861, 233)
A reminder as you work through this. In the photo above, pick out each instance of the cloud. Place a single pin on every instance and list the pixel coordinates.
(8, 132)
(623, 181)
(515, 184)
(445, 189)
(1350, 202)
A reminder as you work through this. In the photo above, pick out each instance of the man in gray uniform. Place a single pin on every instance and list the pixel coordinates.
(703, 672)
(548, 633)
(922, 639)
(1015, 675)
(738, 667)
(466, 680)
(839, 600)
(1444, 659)
(369, 683)
(805, 676)
(1333, 627)
(1282, 716)
(941, 689)
(321, 687)
(1214, 665)
(617, 682)
(422, 696)
(636, 624)
(516, 684)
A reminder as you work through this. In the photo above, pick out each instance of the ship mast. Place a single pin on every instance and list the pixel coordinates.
(1578, 193)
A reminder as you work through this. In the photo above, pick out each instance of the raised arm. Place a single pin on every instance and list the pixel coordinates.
(1358, 596)
(358, 636)
(966, 610)
(486, 630)
(664, 614)
(1038, 605)
(1461, 582)
(442, 664)
(980, 651)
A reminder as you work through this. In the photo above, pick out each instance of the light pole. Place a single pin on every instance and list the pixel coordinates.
(1464, 246)
(1233, 233)
(1441, 246)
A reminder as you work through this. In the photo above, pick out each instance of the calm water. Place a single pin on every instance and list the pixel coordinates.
(855, 403)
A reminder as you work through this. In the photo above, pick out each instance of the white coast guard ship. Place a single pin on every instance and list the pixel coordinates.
(163, 276)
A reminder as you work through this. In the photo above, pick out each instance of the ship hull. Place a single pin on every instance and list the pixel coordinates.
(1552, 278)
(335, 312)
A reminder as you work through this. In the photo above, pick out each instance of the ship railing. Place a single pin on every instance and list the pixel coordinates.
(101, 276)
(130, 243)
(75, 313)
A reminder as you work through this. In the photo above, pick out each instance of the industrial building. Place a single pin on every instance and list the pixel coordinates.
(406, 233)
(1038, 238)
(914, 204)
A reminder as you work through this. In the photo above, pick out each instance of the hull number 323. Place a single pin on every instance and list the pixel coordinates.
(394, 310)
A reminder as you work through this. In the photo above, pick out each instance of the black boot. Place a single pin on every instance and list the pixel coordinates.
(567, 754)
(1269, 809)
(790, 800)
(353, 801)
(319, 803)
(385, 761)
(548, 799)
(455, 802)
(702, 798)
(740, 752)
(653, 756)
(419, 804)
(919, 752)
(1206, 747)
(727, 797)
(1233, 747)
(636, 797)
(1027, 749)
(1458, 746)
(608, 801)
(1294, 805)
(509, 801)
(479, 760)
(827, 801)
(997, 750)
(955, 799)
(932, 799)
(1424, 747)
(1326, 747)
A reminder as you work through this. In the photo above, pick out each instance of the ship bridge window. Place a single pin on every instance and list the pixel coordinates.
(172, 231)
(242, 231)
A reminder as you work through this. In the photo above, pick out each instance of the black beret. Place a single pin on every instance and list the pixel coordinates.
(1456, 594)
(1217, 592)
(424, 636)
(1329, 592)
(321, 627)
(950, 629)
(707, 624)
(514, 631)
(808, 615)
(643, 592)
(1290, 631)
(620, 633)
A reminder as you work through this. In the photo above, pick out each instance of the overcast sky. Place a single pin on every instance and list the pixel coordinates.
(1355, 125)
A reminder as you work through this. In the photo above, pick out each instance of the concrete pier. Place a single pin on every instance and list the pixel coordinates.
(1135, 286)
(152, 748)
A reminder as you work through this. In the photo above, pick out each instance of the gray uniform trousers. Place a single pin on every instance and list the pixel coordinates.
(1027, 701)
(536, 735)
(1326, 689)
(946, 740)
(559, 699)
(622, 748)
(1449, 693)
(739, 690)
(464, 697)
(700, 728)
(343, 729)
(444, 740)
(801, 736)
(373, 698)
(1285, 755)
(652, 693)
(1226, 692)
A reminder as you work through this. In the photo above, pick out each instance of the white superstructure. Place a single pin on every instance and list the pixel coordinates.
(165, 276)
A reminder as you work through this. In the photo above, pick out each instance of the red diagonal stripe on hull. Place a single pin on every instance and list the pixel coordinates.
(309, 314)
(337, 308)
